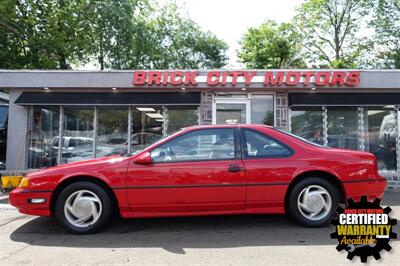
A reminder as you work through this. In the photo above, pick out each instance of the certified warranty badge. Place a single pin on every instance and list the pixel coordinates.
(364, 229)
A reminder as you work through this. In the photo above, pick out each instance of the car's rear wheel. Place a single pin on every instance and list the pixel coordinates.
(312, 202)
(83, 208)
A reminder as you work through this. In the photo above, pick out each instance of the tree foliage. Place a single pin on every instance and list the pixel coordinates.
(120, 33)
(113, 34)
(386, 23)
(177, 42)
(329, 32)
(42, 34)
(271, 45)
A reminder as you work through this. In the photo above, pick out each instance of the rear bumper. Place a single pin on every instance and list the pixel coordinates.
(372, 188)
(21, 199)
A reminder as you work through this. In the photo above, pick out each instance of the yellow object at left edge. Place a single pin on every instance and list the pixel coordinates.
(10, 181)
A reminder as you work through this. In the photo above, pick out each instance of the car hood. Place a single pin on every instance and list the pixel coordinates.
(84, 164)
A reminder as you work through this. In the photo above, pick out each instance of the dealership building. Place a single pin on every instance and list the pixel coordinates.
(56, 117)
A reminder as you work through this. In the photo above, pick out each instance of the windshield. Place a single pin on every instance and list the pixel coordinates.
(299, 138)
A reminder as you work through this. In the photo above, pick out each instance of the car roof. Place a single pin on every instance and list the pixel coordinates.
(226, 126)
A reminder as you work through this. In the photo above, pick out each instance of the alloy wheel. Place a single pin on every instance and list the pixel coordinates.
(314, 202)
(82, 208)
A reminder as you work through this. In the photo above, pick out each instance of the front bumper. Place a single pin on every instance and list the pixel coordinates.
(372, 188)
(21, 199)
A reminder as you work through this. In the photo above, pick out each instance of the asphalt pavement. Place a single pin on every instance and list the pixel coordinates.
(214, 240)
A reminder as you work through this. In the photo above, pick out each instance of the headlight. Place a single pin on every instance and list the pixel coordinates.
(24, 182)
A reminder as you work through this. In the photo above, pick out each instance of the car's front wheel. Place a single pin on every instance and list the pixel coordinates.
(83, 208)
(312, 202)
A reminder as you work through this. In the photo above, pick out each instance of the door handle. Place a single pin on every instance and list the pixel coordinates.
(234, 168)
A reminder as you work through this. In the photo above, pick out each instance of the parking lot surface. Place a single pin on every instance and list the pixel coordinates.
(215, 240)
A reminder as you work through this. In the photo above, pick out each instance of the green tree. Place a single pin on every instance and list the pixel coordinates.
(43, 33)
(115, 34)
(178, 42)
(329, 32)
(270, 45)
(386, 18)
(10, 53)
(120, 33)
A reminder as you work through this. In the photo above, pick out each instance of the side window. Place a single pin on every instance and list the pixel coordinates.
(259, 145)
(200, 145)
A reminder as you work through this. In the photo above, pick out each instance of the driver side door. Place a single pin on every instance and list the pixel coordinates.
(269, 170)
(198, 171)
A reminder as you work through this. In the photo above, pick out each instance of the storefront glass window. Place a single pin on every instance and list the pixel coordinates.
(380, 131)
(3, 135)
(307, 123)
(43, 137)
(343, 128)
(147, 126)
(262, 109)
(112, 131)
(230, 113)
(179, 117)
(78, 134)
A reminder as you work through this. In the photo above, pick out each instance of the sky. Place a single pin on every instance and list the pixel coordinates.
(229, 19)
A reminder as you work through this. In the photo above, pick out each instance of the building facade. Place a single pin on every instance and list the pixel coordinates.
(57, 117)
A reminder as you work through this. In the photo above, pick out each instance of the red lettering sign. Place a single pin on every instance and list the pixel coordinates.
(246, 78)
(353, 78)
(269, 78)
(139, 78)
(213, 78)
(293, 78)
(322, 78)
(307, 77)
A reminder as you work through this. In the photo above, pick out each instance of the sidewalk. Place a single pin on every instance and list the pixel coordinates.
(4, 203)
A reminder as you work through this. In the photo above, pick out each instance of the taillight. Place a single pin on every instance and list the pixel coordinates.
(376, 167)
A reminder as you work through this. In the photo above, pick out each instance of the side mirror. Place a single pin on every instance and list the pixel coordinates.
(144, 158)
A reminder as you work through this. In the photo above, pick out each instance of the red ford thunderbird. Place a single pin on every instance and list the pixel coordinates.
(204, 170)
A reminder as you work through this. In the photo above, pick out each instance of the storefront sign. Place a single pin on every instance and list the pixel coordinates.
(233, 78)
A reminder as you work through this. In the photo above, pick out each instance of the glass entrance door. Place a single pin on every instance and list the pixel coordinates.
(228, 111)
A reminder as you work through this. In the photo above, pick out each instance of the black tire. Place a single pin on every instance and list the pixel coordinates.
(293, 209)
(105, 214)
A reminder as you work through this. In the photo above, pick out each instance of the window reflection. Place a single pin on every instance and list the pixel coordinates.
(343, 128)
(77, 141)
(43, 134)
(380, 132)
(3, 135)
(179, 117)
(112, 131)
(307, 123)
(147, 126)
(262, 109)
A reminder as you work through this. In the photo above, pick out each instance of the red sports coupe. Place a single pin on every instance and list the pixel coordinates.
(204, 170)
